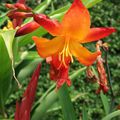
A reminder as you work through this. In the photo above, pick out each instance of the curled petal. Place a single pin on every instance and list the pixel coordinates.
(52, 26)
(28, 28)
(83, 55)
(97, 34)
(47, 47)
(76, 21)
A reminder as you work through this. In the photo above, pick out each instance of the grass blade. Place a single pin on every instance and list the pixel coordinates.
(112, 115)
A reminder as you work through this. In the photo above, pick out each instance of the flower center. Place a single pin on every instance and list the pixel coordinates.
(65, 52)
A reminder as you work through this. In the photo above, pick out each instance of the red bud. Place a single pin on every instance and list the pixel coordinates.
(52, 26)
(15, 15)
(28, 28)
(10, 6)
(22, 7)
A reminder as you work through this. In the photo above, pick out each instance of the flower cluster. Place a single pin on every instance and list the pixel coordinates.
(18, 12)
(70, 34)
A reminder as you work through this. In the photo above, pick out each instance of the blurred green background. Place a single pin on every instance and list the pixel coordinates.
(103, 14)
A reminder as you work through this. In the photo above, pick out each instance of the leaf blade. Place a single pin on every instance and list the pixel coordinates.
(65, 101)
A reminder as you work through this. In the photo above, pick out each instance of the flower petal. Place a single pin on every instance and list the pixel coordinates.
(47, 47)
(82, 54)
(76, 21)
(52, 26)
(98, 33)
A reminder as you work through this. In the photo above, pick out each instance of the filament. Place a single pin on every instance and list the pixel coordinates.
(65, 52)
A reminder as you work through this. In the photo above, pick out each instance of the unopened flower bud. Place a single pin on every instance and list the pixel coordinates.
(45, 22)
(15, 15)
(22, 7)
(10, 6)
(27, 28)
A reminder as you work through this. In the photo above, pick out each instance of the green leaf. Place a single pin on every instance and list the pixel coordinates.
(65, 101)
(105, 103)
(42, 7)
(8, 37)
(28, 69)
(56, 106)
(31, 55)
(42, 108)
(112, 115)
(5, 73)
(59, 13)
(90, 3)
(84, 113)
(3, 18)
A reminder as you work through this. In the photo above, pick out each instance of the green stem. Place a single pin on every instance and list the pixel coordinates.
(110, 81)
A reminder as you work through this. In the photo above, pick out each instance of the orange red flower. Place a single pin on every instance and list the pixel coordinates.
(70, 34)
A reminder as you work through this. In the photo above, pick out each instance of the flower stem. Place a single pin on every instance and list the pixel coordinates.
(110, 81)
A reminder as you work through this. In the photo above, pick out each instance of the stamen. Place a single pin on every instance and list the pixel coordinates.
(65, 52)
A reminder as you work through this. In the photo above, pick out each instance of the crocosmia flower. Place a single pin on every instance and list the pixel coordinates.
(73, 30)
